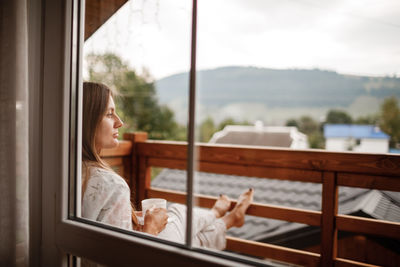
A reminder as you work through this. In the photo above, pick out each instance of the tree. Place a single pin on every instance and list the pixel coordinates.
(316, 140)
(311, 128)
(225, 122)
(368, 119)
(390, 119)
(292, 122)
(206, 130)
(135, 97)
(308, 125)
(338, 117)
(230, 121)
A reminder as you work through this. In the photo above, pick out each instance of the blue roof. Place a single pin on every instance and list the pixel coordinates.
(355, 131)
(394, 150)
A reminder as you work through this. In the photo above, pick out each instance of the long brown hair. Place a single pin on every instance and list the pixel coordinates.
(95, 102)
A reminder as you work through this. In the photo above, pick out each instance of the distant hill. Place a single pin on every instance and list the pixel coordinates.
(271, 90)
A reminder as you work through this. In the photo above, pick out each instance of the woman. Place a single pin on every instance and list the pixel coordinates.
(106, 196)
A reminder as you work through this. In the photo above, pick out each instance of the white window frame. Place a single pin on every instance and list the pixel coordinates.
(61, 236)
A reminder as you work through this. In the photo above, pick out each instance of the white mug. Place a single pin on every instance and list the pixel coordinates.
(151, 203)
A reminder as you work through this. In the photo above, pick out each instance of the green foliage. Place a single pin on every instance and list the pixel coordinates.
(107, 68)
(292, 122)
(230, 121)
(316, 140)
(308, 125)
(206, 130)
(338, 117)
(225, 122)
(208, 127)
(311, 128)
(390, 119)
(369, 119)
(135, 98)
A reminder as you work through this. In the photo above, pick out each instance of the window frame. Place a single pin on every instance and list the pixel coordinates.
(62, 235)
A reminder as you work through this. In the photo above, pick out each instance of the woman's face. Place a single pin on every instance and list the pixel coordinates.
(107, 132)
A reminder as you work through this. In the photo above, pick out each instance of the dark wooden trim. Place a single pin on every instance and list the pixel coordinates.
(329, 211)
(269, 251)
(317, 160)
(98, 12)
(144, 179)
(339, 262)
(114, 161)
(133, 165)
(368, 226)
(369, 181)
(124, 148)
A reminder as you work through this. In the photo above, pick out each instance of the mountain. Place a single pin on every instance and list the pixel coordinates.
(249, 91)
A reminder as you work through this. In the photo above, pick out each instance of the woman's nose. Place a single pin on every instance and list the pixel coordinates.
(118, 122)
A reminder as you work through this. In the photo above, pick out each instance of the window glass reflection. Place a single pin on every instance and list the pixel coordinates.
(129, 47)
(291, 76)
(274, 84)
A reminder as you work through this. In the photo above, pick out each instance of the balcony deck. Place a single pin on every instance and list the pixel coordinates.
(135, 157)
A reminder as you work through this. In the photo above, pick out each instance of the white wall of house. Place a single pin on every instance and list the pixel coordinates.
(337, 144)
(373, 145)
(299, 140)
(369, 145)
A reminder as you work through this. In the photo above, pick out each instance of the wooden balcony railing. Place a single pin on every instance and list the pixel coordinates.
(136, 155)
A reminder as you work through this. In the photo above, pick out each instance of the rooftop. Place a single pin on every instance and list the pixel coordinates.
(354, 131)
(371, 203)
(259, 135)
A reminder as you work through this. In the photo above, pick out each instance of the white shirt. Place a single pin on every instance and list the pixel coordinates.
(107, 199)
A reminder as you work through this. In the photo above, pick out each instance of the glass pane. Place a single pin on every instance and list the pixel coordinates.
(129, 49)
(276, 77)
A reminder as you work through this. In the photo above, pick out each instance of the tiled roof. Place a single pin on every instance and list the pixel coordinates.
(280, 136)
(280, 192)
(354, 131)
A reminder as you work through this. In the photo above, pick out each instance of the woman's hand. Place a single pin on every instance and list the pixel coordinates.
(155, 221)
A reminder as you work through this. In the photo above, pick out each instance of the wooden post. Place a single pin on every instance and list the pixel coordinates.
(144, 179)
(139, 178)
(329, 211)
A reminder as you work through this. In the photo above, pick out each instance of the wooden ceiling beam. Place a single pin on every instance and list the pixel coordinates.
(97, 12)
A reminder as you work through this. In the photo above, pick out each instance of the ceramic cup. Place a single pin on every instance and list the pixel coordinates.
(152, 203)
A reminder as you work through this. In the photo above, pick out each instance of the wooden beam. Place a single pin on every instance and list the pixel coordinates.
(269, 251)
(114, 161)
(97, 12)
(138, 171)
(329, 211)
(371, 164)
(368, 226)
(339, 262)
(261, 210)
(124, 148)
(369, 181)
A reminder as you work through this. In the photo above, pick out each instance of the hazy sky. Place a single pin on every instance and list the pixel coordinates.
(354, 37)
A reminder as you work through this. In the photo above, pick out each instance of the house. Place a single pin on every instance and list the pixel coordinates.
(259, 135)
(358, 138)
